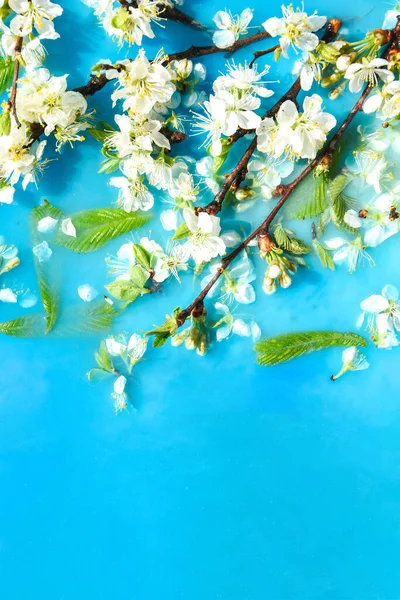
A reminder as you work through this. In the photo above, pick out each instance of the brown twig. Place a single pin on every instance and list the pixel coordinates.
(11, 105)
(169, 12)
(237, 176)
(197, 51)
(260, 53)
(324, 156)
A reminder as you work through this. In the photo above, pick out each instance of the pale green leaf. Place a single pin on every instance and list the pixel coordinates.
(6, 73)
(87, 320)
(97, 227)
(182, 232)
(27, 326)
(323, 255)
(314, 200)
(289, 242)
(279, 349)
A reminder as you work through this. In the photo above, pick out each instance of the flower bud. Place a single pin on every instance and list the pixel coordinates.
(202, 348)
(328, 81)
(190, 344)
(333, 94)
(277, 53)
(274, 270)
(179, 338)
(343, 62)
(244, 193)
(269, 285)
(285, 280)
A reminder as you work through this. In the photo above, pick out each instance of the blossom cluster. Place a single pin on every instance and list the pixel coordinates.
(129, 23)
(42, 105)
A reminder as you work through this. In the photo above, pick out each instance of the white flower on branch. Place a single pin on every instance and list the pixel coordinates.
(268, 172)
(141, 83)
(371, 167)
(295, 29)
(245, 79)
(45, 98)
(33, 52)
(235, 283)
(169, 262)
(230, 27)
(204, 242)
(368, 72)
(389, 97)
(18, 158)
(298, 135)
(38, 14)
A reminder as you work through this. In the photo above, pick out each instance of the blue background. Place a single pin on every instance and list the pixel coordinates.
(230, 482)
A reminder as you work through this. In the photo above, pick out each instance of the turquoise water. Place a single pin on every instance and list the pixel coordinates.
(230, 482)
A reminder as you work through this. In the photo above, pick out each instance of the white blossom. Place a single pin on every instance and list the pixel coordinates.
(353, 360)
(235, 282)
(87, 292)
(295, 29)
(382, 312)
(204, 242)
(352, 251)
(230, 27)
(298, 135)
(368, 72)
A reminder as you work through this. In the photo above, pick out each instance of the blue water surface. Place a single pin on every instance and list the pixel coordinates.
(231, 481)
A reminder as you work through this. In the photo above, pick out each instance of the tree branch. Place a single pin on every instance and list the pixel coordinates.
(261, 53)
(324, 156)
(11, 105)
(235, 178)
(197, 51)
(169, 12)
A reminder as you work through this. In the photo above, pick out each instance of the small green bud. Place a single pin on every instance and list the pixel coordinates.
(5, 122)
(277, 53)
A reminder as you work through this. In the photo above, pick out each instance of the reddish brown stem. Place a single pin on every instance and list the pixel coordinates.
(323, 157)
(197, 51)
(260, 53)
(237, 176)
(13, 94)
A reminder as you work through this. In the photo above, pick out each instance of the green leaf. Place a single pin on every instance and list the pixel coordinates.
(103, 359)
(341, 204)
(109, 165)
(337, 186)
(182, 232)
(323, 255)
(219, 161)
(315, 200)
(27, 326)
(97, 374)
(142, 256)
(87, 320)
(97, 227)
(101, 132)
(124, 290)
(279, 349)
(6, 73)
(289, 242)
(49, 297)
(46, 210)
(50, 300)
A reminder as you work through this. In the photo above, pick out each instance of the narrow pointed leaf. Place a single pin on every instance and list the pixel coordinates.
(279, 349)
(97, 227)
